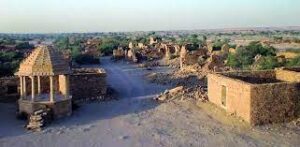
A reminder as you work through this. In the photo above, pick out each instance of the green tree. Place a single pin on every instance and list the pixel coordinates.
(244, 56)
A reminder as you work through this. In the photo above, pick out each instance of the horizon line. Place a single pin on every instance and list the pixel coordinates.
(171, 30)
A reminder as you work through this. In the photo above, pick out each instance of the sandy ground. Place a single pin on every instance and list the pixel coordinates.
(137, 120)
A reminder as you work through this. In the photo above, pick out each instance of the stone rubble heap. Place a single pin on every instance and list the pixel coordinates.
(198, 93)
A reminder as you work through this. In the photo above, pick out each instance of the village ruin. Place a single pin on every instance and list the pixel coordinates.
(259, 97)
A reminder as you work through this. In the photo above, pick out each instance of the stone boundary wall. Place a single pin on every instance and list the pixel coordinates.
(88, 84)
(256, 103)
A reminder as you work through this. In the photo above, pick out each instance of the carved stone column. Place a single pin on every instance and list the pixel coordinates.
(24, 87)
(39, 85)
(51, 89)
(21, 88)
(32, 89)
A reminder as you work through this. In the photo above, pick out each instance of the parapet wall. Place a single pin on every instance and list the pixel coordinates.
(88, 84)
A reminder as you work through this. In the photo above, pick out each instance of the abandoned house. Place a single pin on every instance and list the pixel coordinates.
(259, 97)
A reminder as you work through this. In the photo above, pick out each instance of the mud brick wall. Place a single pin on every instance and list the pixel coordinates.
(9, 89)
(88, 85)
(238, 95)
(273, 103)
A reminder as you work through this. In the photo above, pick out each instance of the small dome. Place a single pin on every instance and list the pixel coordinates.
(44, 61)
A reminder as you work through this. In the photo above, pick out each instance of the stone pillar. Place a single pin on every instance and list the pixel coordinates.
(32, 88)
(21, 88)
(67, 86)
(51, 89)
(24, 87)
(39, 85)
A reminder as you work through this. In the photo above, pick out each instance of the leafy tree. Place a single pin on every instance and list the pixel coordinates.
(244, 56)
(233, 61)
(9, 62)
(24, 45)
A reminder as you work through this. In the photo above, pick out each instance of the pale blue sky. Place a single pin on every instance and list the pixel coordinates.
(44, 16)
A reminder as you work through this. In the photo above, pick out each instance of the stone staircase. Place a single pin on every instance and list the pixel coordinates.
(39, 119)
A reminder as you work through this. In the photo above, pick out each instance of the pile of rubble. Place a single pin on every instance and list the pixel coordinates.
(198, 93)
(39, 119)
(186, 78)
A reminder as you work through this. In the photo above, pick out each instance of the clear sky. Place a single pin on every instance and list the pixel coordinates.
(52, 16)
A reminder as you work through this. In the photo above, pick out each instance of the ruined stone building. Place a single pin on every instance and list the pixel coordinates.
(154, 40)
(258, 97)
(118, 53)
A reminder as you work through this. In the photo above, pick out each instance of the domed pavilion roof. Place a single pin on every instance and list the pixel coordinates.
(44, 61)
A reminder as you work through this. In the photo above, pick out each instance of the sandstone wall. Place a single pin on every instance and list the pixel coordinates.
(288, 75)
(238, 95)
(88, 85)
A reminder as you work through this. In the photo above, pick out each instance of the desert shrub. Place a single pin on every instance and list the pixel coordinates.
(294, 62)
(233, 61)
(296, 50)
(268, 62)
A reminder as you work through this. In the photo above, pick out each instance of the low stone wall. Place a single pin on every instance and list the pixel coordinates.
(9, 89)
(88, 84)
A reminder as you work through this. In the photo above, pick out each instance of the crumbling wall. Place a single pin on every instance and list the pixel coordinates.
(118, 53)
(131, 55)
(88, 84)
(9, 89)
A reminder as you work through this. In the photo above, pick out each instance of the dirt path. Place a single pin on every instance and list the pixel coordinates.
(136, 120)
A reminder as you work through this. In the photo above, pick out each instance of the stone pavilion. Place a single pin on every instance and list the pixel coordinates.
(44, 82)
